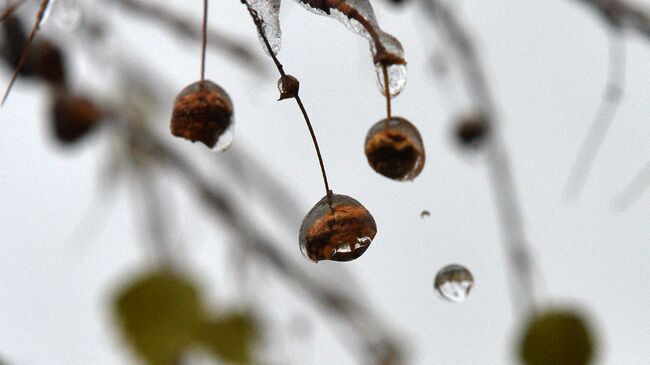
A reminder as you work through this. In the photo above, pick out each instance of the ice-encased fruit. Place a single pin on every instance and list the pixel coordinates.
(394, 148)
(203, 112)
(340, 232)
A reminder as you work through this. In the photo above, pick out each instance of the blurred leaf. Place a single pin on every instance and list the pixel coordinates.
(557, 337)
(160, 314)
(231, 337)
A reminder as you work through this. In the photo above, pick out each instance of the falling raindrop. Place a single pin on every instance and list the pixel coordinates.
(425, 213)
(340, 232)
(203, 112)
(453, 282)
(394, 148)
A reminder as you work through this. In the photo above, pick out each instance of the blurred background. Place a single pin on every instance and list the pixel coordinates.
(75, 224)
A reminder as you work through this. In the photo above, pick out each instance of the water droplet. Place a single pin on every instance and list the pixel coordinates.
(73, 117)
(288, 86)
(396, 79)
(453, 282)
(269, 13)
(341, 232)
(203, 112)
(67, 14)
(425, 214)
(394, 148)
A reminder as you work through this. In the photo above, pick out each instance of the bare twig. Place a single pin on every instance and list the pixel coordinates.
(37, 23)
(10, 8)
(636, 188)
(624, 14)
(603, 119)
(503, 185)
(187, 28)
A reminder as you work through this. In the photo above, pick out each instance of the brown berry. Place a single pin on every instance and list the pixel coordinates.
(340, 232)
(394, 148)
(73, 117)
(203, 112)
(472, 131)
(288, 86)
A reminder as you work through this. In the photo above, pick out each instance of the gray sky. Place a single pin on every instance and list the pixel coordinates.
(547, 63)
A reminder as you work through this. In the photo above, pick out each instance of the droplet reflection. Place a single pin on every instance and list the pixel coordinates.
(454, 282)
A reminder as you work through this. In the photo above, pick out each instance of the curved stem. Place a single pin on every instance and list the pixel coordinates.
(278, 65)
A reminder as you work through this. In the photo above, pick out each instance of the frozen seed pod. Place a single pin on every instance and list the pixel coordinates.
(453, 282)
(341, 232)
(73, 117)
(394, 148)
(288, 86)
(472, 131)
(203, 112)
(557, 337)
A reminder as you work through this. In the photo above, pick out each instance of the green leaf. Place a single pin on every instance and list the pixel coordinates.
(160, 315)
(557, 337)
(231, 337)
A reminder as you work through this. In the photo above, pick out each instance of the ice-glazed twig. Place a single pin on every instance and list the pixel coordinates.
(37, 23)
(260, 29)
(502, 181)
(603, 119)
(181, 25)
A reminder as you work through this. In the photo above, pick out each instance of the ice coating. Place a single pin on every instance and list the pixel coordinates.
(268, 12)
(341, 232)
(394, 149)
(359, 17)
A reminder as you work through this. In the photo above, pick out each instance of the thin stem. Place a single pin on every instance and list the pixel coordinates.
(278, 65)
(204, 38)
(10, 9)
(23, 56)
(387, 91)
(603, 119)
(636, 188)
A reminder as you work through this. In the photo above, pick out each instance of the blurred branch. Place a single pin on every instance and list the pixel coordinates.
(179, 24)
(375, 340)
(624, 14)
(610, 102)
(503, 184)
(9, 8)
(635, 189)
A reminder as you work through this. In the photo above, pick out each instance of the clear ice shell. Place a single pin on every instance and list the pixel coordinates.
(343, 234)
(225, 139)
(67, 14)
(454, 282)
(269, 13)
(396, 72)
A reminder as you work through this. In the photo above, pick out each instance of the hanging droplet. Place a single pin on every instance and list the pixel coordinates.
(394, 148)
(203, 112)
(472, 131)
(73, 117)
(396, 79)
(288, 86)
(557, 337)
(425, 214)
(341, 232)
(453, 282)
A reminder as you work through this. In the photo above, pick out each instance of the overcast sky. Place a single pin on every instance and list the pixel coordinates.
(547, 64)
